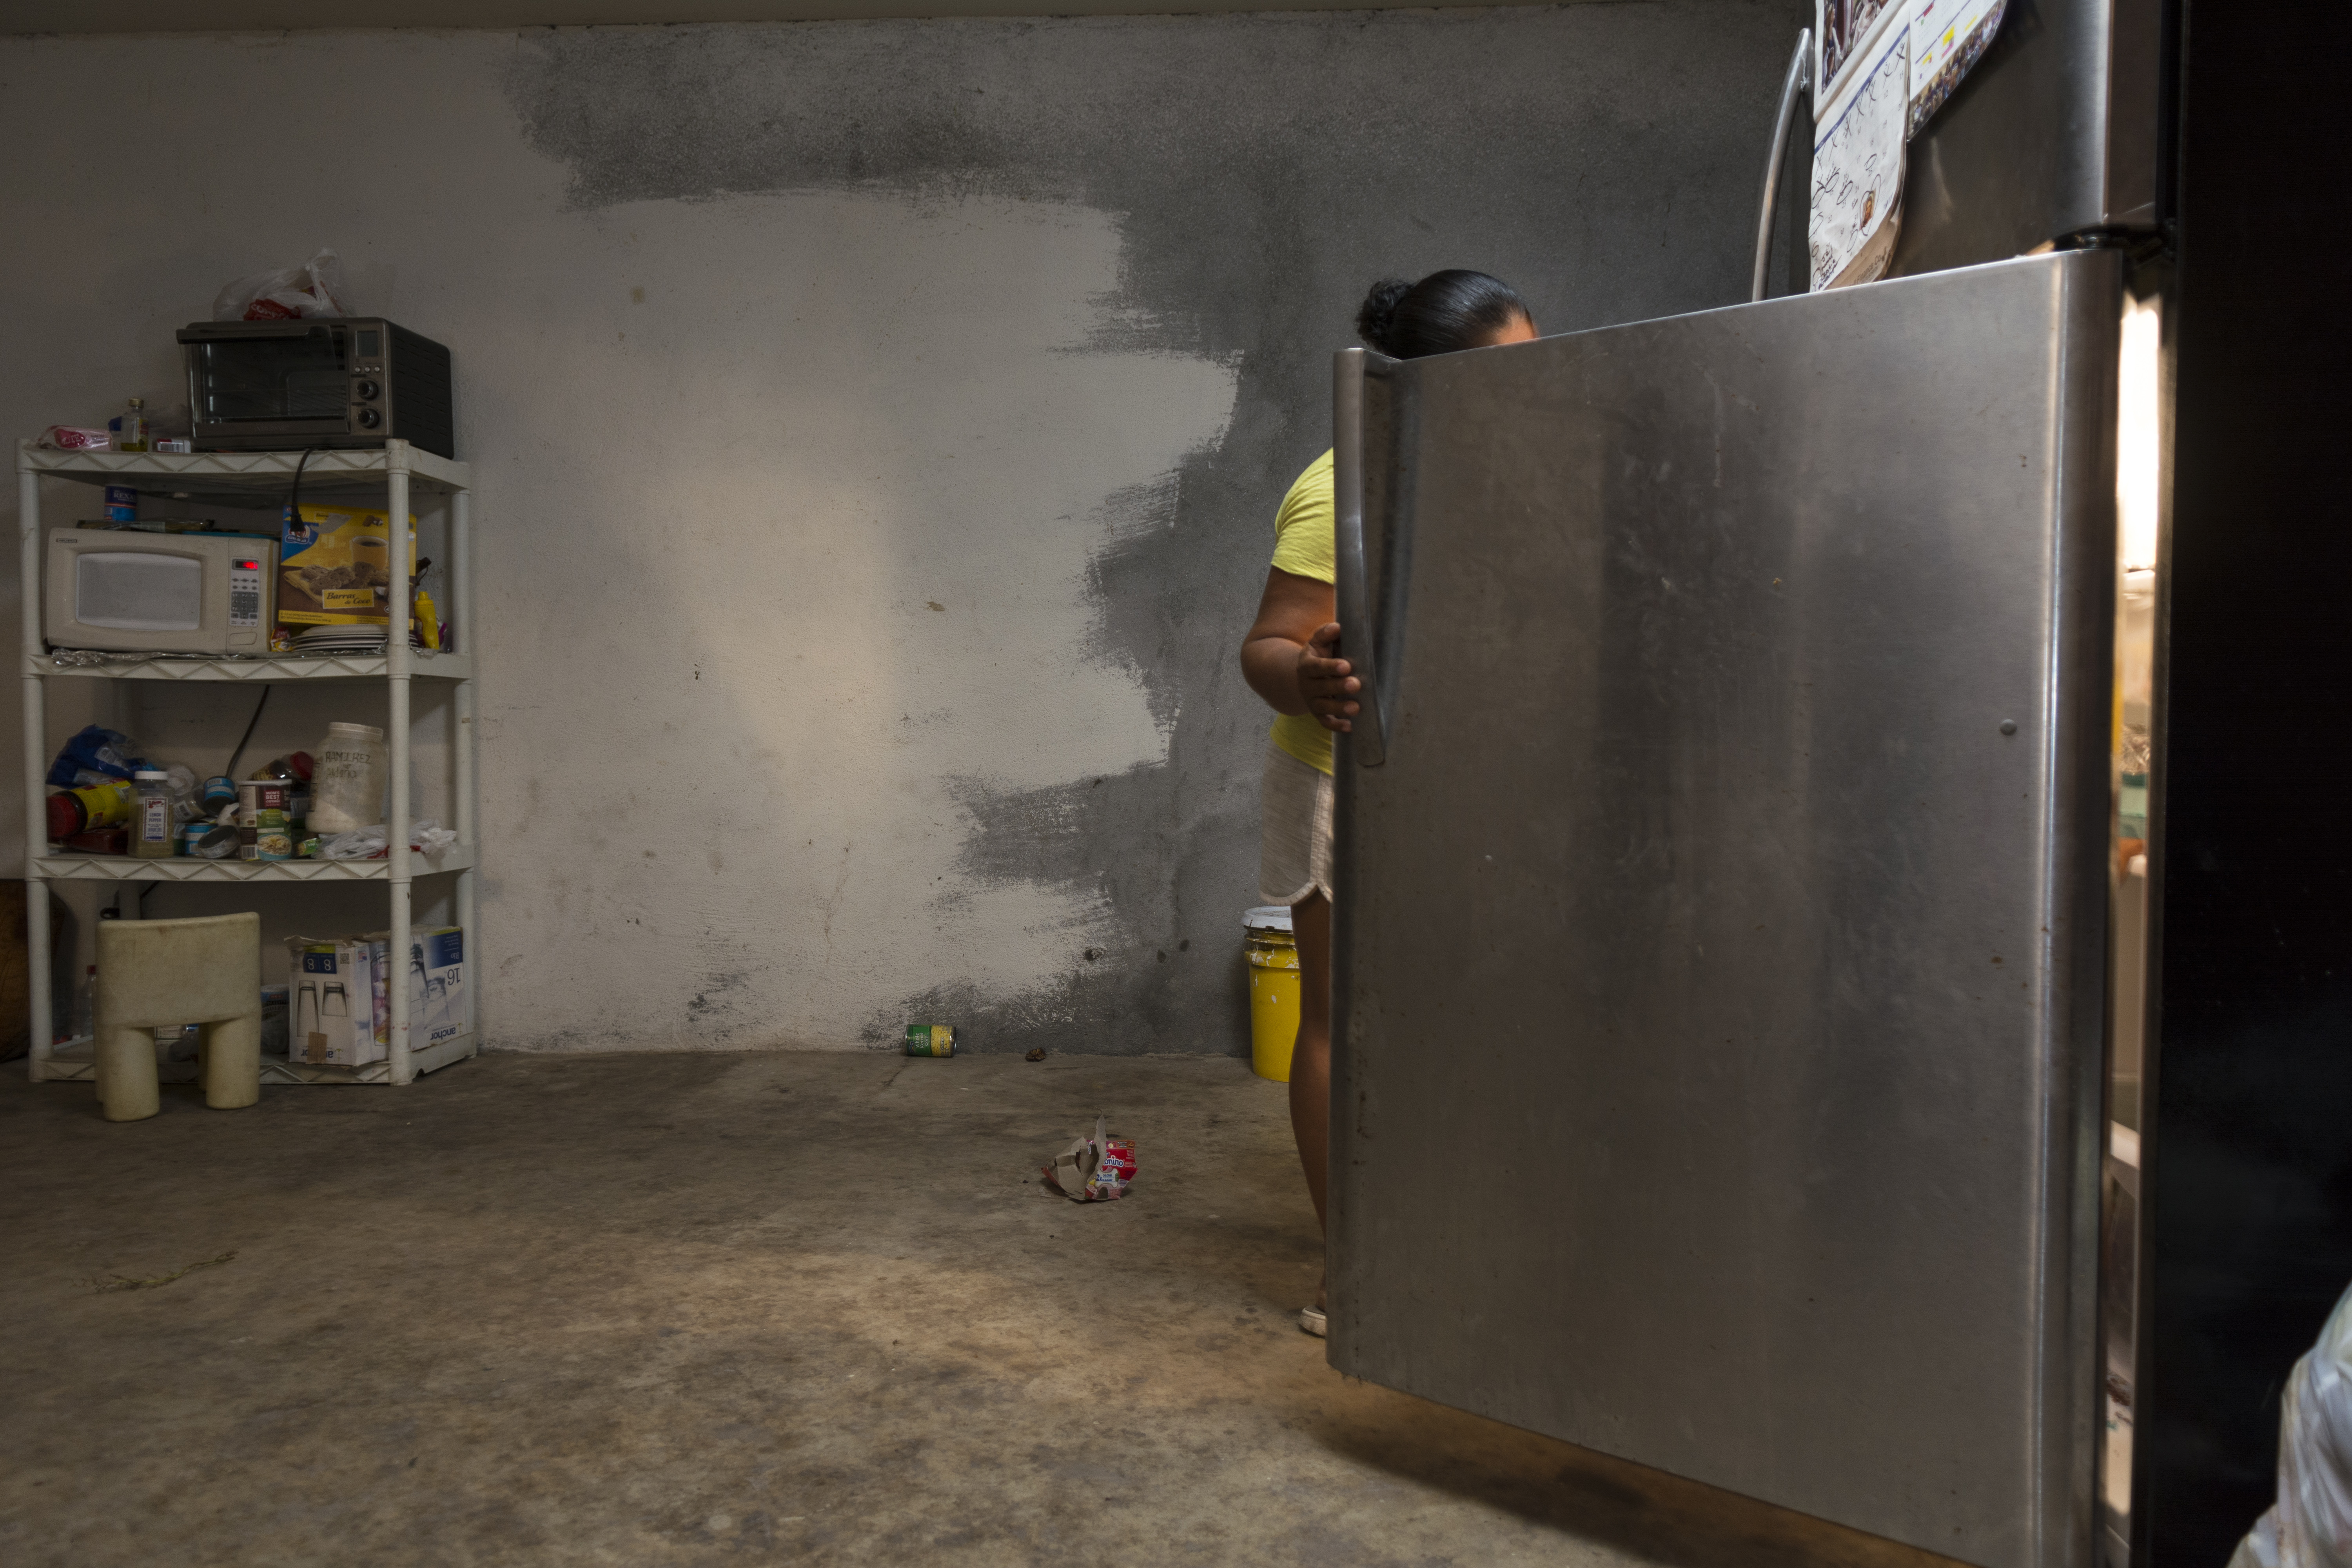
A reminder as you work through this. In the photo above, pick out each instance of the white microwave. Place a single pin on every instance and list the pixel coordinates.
(160, 592)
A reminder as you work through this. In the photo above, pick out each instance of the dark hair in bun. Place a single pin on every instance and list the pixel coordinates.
(1442, 314)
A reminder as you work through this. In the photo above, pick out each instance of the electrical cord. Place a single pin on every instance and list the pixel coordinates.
(294, 499)
(293, 516)
(231, 770)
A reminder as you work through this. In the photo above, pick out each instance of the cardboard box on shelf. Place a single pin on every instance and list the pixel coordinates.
(333, 1022)
(439, 1007)
(335, 568)
(341, 1003)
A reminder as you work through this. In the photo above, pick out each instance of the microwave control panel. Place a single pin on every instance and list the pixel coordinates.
(244, 592)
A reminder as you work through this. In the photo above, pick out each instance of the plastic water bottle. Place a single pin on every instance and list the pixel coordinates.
(84, 1005)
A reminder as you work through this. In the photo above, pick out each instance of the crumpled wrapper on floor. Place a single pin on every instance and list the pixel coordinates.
(1095, 1169)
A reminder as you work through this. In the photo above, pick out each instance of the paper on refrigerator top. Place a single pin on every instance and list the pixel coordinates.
(1880, 69)
(1844, 32)
(1947, 37)
(1858, 164)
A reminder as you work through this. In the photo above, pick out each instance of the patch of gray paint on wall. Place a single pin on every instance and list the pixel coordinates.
(1263, 169)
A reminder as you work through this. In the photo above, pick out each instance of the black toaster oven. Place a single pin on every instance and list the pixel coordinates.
(330, 381)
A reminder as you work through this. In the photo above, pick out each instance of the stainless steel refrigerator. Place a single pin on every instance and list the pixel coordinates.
(1732, 1028)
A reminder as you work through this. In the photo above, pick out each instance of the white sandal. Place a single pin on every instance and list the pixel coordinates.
(1312, 1321)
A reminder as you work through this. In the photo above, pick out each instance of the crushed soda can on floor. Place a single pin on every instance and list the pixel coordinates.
(930, 1040)
(1094, 1169)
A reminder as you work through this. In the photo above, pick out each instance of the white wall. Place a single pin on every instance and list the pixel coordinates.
(728, 455)
(871, 490)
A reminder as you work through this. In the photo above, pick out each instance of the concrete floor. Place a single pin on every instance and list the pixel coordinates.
(646, 1309)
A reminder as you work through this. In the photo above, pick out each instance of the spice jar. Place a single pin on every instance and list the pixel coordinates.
(152, 834)
(347, 778)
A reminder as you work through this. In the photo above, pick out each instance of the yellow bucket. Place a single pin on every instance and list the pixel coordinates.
(1274, 990)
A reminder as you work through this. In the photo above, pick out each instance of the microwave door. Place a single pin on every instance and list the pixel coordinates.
(139, 591)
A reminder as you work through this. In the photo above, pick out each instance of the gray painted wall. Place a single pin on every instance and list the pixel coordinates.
(878, 427)
(71, 16)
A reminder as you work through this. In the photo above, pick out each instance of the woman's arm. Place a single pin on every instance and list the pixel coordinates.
(1289, 656)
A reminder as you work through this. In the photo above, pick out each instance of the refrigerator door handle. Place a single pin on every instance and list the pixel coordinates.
(1367, 741)
(1801, 70)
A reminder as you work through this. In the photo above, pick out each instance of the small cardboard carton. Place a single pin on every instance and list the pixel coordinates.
(439, 1005)
(335, 569)
(333, 1004)
(342, 1004)
(446, 1008)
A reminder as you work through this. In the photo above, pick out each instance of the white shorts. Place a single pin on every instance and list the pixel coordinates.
(1295, 827)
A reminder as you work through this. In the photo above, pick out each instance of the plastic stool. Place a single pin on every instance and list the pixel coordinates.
(154, 973)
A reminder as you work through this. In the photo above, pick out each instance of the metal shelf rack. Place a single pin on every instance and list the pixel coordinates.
(396, 472)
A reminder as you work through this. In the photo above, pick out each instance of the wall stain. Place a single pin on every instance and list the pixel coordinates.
(714, 1015)
(1261, 171)
(833, 900)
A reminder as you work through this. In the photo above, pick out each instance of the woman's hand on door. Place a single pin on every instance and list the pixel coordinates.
(1291, 656)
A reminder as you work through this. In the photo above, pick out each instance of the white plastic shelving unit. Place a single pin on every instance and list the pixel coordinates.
(259, 479)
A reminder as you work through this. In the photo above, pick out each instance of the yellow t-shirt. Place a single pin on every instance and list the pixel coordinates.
(1307, 545)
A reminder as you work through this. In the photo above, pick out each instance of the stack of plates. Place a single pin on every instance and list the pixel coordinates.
(328, 641)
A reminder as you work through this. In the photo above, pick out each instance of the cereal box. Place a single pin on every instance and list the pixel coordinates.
(335, 569)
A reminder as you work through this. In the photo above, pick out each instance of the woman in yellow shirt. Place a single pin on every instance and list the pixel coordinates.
(1291, 658)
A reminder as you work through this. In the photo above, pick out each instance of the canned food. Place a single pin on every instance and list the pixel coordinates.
(930, 1040)
(259, 795)
(254, 797)
(208, 841)
(271, 840)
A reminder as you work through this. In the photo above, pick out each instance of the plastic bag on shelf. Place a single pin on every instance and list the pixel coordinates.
(2310, 1526)
(425, 837)
(313, 288)
(358, 844)
(94, 755)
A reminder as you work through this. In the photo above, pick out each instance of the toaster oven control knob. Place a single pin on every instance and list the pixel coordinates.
(370, 419)
(367, 390)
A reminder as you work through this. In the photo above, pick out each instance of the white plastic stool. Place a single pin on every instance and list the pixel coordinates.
(154, 973)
